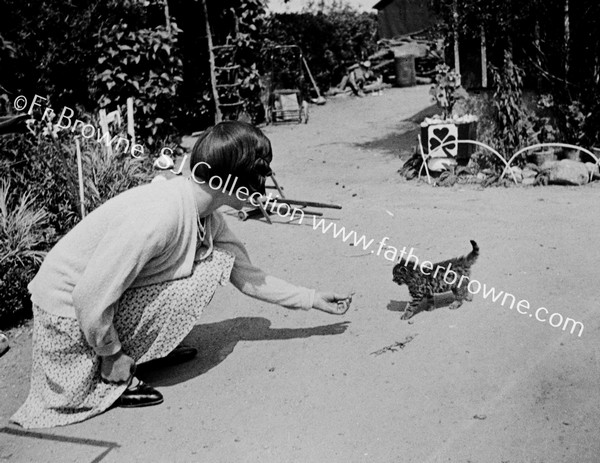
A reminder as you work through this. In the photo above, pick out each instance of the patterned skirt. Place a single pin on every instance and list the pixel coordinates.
(151, 321)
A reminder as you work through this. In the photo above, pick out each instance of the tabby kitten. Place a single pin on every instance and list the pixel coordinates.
(449, 275)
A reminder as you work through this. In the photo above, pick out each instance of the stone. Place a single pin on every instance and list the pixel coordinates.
(4, 345)
(593, 170)
(529, 173)
(567, 172)
(548, 165)
(529, 181)
(440, 164)
(517, 172)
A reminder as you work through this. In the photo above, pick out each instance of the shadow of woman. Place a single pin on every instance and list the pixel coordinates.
(215, 341)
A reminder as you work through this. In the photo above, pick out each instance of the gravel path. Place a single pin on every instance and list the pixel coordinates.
(482, 384)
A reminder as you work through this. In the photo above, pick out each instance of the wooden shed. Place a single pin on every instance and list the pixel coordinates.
(400, 17)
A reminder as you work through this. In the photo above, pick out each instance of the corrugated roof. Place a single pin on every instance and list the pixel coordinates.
(382, 4)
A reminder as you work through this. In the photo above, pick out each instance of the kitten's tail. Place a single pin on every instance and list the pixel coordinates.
(474, 254)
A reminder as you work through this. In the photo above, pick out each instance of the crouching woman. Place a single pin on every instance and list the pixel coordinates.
(130, 281)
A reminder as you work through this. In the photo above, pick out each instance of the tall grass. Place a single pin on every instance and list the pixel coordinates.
(106, 175)
(22, 235)
(20, 228)
(39, 202)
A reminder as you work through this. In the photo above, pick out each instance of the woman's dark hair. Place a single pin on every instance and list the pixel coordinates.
(235, 148)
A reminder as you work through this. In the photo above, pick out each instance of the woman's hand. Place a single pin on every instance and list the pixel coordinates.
(332, 303)
(117, 368)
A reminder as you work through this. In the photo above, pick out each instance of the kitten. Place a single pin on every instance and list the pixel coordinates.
(440, 279)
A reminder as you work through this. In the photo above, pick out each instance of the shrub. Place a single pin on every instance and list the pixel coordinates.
(42, 171)
(143, 64)
(45, 164)
(23, 235)
(331, 39)
(106, 176)
(512, 120)
(40, 165)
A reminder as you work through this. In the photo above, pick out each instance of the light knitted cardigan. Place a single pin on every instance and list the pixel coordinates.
(143, 236)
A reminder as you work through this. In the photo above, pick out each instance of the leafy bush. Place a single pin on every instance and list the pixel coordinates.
(46, 165)
(42, 172)
(22, 237)
(331, 39)
(53, 44)
(575, 120)
(40, 165)
(106, 176)
(512, 120)
(143, 64)
(53, 48)
(251, 20)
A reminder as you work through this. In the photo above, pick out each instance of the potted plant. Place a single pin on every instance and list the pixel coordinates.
(443, 129)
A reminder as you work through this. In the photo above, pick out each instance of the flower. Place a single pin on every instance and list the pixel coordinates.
(447, 90)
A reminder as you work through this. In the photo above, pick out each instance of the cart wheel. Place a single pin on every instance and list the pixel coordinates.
(304, 112)
(243, 216)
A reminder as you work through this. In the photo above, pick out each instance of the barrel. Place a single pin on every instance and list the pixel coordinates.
(406, 75)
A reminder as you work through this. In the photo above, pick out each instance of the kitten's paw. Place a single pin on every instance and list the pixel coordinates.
(455, 305)
(407, 315)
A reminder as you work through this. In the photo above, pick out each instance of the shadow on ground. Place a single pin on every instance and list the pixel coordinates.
(400, 142)
(215, 341)
(441, 301)
(396, 306)
(427, 112)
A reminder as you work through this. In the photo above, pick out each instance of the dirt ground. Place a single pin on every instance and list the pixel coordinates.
(482, 384)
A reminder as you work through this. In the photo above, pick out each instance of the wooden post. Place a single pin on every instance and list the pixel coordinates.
(538, 52)
(456, 43)
(167, 17)
(105, 131)
(597, 65)
(80, 175)
(567, 38)
(130, 122)
(211, 55)
(484, 66)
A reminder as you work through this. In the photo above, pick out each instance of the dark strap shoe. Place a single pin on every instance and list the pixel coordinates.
(142, 395)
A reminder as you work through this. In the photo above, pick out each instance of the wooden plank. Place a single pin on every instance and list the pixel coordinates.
(211, 55)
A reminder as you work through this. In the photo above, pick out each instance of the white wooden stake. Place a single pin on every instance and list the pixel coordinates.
(456, 42)
(105, 130)
(130, 123)
(484, 66)
(80, 174)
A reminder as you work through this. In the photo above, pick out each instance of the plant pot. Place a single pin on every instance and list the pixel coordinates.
(539, 157)
(436, 135)
(570, 153)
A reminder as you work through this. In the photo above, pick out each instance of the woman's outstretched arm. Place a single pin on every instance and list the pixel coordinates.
(254, 282)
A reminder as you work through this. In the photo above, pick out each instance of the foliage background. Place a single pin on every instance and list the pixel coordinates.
(530, 49)
(41, 202)
(332, 38)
